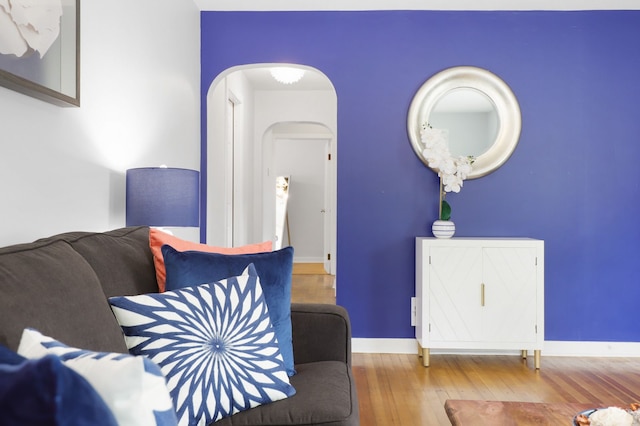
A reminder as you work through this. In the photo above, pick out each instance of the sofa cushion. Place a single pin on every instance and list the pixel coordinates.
(274, 269)
(159, 238)
(49, 286)
(46, 392)
(214, 342)
(120, 258)
(325, 396)
(132, 387)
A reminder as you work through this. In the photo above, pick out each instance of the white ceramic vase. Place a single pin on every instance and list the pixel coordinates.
(443, 229)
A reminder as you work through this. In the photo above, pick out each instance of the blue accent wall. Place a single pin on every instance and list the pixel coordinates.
(573, 180)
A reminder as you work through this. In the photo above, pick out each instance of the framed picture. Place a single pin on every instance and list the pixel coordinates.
(40, 49)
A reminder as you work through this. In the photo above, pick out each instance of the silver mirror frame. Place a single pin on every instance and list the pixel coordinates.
(489, 84)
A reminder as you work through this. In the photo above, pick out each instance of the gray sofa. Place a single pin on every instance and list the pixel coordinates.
(59, 286)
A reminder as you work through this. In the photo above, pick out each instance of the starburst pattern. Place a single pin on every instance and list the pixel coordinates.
(215, 344)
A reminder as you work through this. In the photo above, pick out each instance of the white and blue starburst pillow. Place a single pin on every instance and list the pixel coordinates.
(214, 342)
(132, 387)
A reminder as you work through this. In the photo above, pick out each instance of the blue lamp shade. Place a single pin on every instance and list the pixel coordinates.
(161, 196)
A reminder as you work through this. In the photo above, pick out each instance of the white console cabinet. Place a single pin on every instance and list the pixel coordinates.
(480, 294)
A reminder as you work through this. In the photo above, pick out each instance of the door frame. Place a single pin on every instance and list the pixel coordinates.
(330, 188)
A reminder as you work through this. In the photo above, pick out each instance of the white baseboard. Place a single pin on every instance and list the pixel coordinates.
(384, 346)
(551, 348)
(601, 349)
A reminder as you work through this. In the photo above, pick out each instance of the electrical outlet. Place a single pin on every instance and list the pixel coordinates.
(414, 314)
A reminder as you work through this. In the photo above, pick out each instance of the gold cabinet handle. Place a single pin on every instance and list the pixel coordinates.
(482, 294)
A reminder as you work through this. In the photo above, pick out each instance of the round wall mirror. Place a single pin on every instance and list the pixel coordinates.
(478, 111)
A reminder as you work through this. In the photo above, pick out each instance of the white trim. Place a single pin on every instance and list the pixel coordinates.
(551, 348)
(300, 5)
(603, 349)
(384, 346)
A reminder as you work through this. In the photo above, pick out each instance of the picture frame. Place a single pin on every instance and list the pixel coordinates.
(54, 76)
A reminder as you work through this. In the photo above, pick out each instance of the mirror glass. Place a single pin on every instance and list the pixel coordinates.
(470, 119)
(478, 112)
(282, 216)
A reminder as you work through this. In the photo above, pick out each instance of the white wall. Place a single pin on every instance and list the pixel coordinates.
(235, 86)
(62, 169)
(216, 107)
(243, 159)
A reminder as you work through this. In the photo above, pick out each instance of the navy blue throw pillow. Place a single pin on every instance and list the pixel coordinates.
(9, 357)
(44, 392)
(189, 268)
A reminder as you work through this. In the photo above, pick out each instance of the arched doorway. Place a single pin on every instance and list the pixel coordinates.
(245, 105)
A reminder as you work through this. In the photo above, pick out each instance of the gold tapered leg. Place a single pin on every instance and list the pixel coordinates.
(523, 353)
(419, 350)
(425, 357)
(536, 359)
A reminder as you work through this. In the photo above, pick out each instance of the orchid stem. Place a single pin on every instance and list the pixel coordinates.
(440, 203)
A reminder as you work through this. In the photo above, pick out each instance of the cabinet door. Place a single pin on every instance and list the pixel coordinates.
(455, 311)
(509, 278)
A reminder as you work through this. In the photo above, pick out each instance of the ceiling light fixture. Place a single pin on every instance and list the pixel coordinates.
(287, 75)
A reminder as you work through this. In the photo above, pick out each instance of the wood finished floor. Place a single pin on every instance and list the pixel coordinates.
(307, 287)
(396, 390)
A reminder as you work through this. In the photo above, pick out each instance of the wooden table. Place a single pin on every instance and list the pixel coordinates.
(503, 413)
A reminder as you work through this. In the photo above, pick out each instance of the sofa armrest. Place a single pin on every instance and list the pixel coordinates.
(321, 332)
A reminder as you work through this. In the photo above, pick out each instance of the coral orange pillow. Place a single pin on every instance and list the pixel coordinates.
(159, 238)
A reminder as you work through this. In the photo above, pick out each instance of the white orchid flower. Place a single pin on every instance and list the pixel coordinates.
(464, 167)
(452, 170)
(451, 183)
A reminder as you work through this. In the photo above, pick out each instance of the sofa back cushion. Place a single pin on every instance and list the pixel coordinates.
(49, 286)
(121, 259)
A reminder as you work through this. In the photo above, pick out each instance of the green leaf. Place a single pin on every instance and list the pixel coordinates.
(446, 211)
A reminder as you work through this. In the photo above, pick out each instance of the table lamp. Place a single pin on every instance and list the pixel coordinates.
(162, 196)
